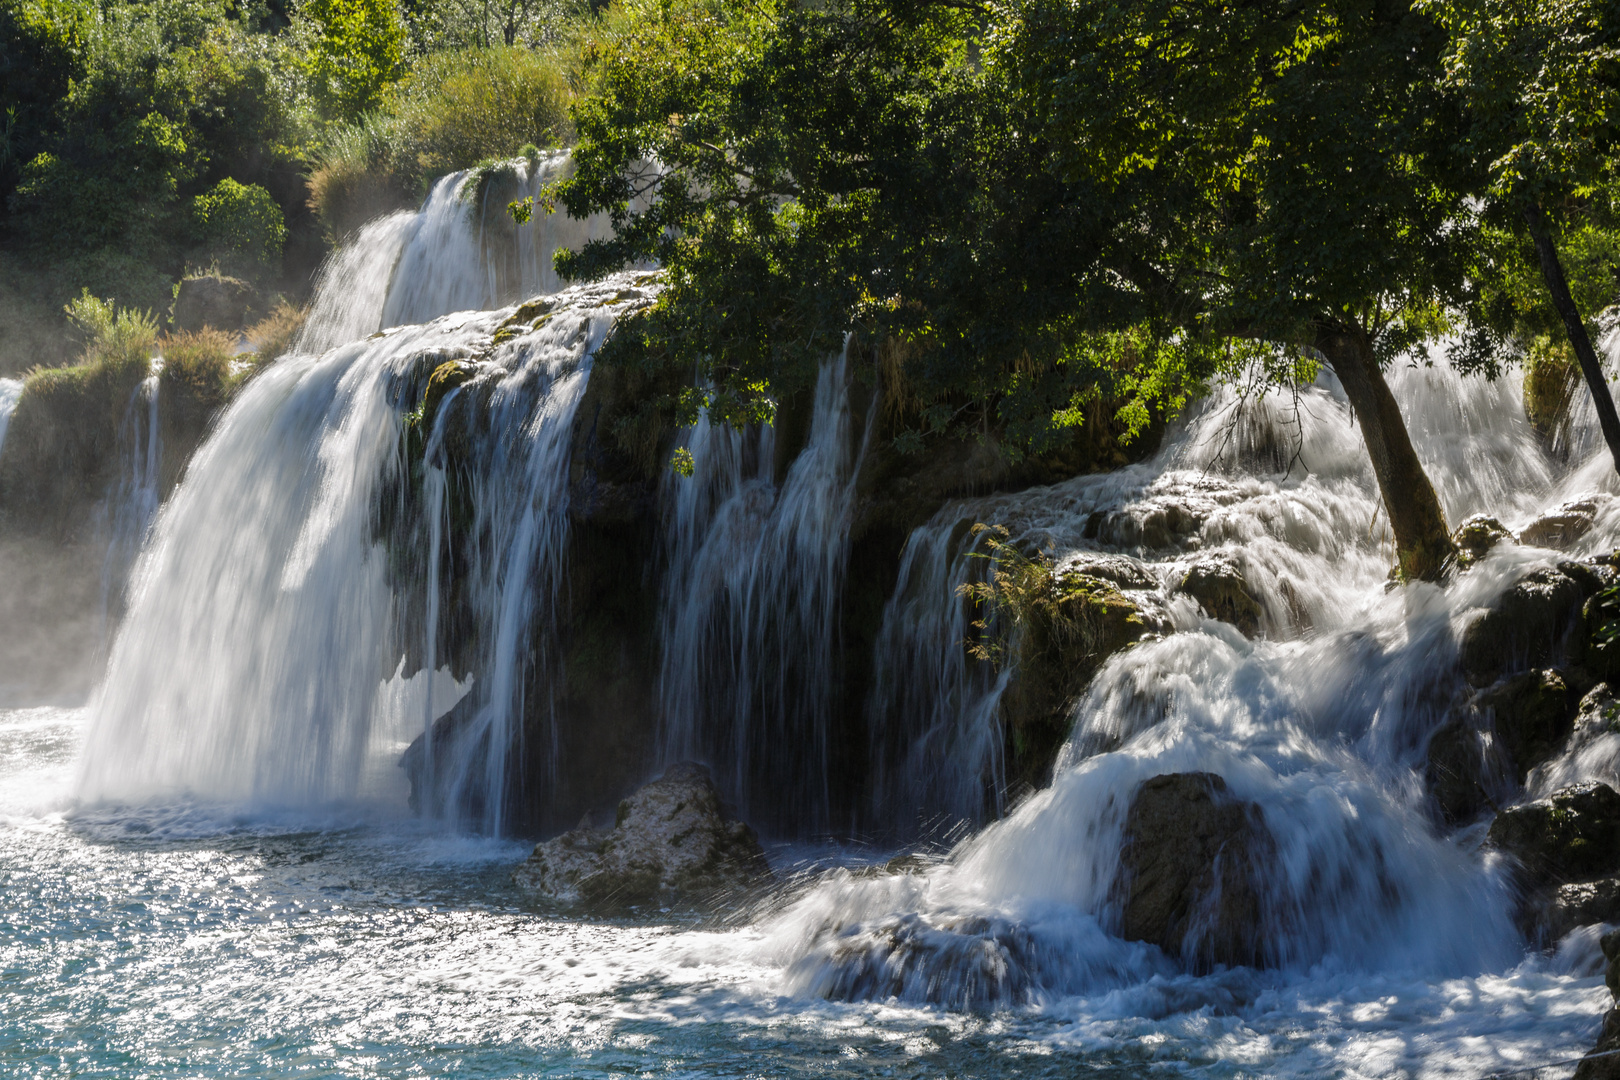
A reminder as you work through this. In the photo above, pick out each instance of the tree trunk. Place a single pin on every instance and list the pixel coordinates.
(1552, 272)
(1422, 544)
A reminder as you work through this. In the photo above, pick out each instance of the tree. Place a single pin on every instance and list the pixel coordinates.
(358, 49)
(1289, 179)
(1540, 81)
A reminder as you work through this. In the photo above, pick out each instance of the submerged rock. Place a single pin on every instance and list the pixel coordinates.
(1475, 538)
(1189, 871)
(1216, 582)
(1560, 527)
(1572, 836)
(672, 840)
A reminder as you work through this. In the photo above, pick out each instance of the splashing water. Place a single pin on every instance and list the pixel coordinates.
(10, 392)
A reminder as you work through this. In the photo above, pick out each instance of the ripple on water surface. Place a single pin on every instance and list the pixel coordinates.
(183, 941)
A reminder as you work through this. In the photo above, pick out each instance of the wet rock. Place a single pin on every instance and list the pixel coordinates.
(1216, 582)
(1071, 626)
(1189, 871)
(672, 841)
(1603, 1062)
(1456, 774)
(1475, 537)
(1532, 625)
(1534, 714)
(1560, 527)
(212, 300)
(1122, 570)
(1572, 836)
(1171, 516)
(1580, 904)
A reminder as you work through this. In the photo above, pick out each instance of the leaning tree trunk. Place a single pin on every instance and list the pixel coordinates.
(1422, 545)
(1552, 272)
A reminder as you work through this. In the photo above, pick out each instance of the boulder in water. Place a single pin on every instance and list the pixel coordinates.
(1216, 582)
(1475, 538)
(1561, 526)
(1572, 836)
(1188, 872)
(672, 841)
(211, 300)
(1583, 903)
(1531, 625)
(1534, 713)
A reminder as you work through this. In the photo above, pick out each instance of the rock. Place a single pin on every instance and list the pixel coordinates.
(1610, 944)
(1582, 904)
(1560, 527)
(1603, 1062)
(1122, 570)
(672, 840)
(211, 300)
(1187, 878)
(1531, 625)
(1171, 515)
(1216, 582)
(1534, 714)
(1572, 836)
(1476, 537)
(1070, 627)
(1456, 773)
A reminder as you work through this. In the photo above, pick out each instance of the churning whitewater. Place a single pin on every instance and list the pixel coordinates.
(212, 868)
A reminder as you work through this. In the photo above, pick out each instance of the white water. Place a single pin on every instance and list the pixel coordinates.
(10, 391)
(132, 504)
(458, 252)
(753, 585)
(258, 635)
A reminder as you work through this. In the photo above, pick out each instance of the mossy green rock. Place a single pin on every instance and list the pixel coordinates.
(1218, 586)
(1534, 713)
(1475, 538)
(1572, 836)
(1532, 625)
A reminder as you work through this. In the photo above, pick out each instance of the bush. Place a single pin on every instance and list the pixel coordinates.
(273, 335)
(242, 227)
(355, 178)
(357, 51)
(117, 341)
(201, 361)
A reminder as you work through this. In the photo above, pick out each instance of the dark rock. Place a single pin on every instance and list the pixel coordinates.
(1476, 537)
(1603, 1062)
(1582, 904)
(1610, 944)
(1560, 527)
(1572, 836)
(1456, 774)
(1122, 570)
(1534, 714)
(1070, 628)
(1531, 625)
(212, 300)
(1187, 879)
(672, 840)
(1216, 582)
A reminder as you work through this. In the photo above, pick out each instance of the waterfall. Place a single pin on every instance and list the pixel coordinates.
(749, 630)
(133, 500)
(259, 632)
(459, 252)
(10, 392)
(1322, 721)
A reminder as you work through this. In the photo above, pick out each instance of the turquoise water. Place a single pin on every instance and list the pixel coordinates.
(183, 941)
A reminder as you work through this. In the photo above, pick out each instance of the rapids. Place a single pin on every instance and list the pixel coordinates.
(210, 869)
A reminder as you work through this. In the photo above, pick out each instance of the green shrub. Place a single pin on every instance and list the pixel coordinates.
(242, 227)
(355, 178)
(273, 335)
(358, 49)
(118, 341)
(200, 361)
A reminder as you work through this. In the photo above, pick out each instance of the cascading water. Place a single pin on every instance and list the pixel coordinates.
(259, 629)
(10, 392)
(1322, 722)
(132, 504)
(459, 252)
(750, 612)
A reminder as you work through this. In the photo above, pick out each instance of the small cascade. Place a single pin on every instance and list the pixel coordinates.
(132, 504)
(461, 251)
(261, 610)
(10, 391)
(750, 674)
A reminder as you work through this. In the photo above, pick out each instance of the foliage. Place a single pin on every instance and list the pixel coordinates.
(201, 360)
(357, 51)
(274, 335)
(242, 227)
(116, 339)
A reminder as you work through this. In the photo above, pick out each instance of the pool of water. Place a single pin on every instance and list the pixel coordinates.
(189, 941)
